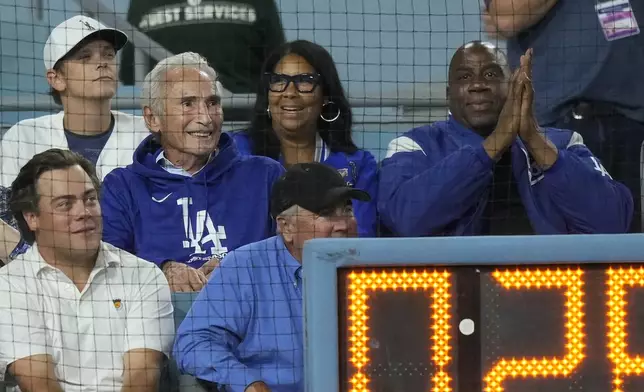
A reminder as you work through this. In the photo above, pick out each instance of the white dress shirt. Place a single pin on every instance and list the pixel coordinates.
(126, 304)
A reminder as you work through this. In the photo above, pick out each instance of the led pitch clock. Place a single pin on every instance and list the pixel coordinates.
(488, 314)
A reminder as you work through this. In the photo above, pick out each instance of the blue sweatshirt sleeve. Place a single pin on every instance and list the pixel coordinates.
(116, 208)
(216, 324)
(420, 194)
(585, 193)
(366, 212)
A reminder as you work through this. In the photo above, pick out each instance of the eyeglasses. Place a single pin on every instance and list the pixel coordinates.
(304, 83)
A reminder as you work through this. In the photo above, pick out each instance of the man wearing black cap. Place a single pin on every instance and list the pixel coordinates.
(244, 330)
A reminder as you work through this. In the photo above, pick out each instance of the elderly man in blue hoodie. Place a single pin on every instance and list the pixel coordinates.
(189, 197)
(490, 169)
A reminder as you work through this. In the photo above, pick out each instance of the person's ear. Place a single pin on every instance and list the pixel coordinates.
(152, 121)
(285, 228)
(31, 218)
(56, 80)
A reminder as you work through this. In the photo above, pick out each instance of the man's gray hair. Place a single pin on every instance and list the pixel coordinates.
(154, 83)
(290, 212)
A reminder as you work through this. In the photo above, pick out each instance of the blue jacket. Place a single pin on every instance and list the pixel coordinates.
(246, 325)
(359, 169)
(435, 181)
(160, 216)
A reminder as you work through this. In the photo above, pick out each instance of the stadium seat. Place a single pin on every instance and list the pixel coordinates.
(182, 303)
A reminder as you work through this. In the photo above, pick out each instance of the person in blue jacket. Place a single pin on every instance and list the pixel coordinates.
(489, 169)
(245, 330)
(190, 196)
(302, 115)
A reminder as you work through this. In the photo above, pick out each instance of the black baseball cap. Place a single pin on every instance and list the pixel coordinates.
(312, 186)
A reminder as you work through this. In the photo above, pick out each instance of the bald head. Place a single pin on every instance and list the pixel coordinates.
(478, 50)
(477, 86)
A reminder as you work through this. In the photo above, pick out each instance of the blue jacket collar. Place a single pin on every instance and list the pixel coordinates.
(145, 161)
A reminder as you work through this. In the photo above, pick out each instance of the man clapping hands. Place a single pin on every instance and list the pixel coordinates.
(490, 169)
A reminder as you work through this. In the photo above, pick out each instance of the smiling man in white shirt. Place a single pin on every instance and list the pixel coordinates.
(76, 313)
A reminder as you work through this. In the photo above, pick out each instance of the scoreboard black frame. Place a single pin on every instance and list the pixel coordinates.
(475, 314)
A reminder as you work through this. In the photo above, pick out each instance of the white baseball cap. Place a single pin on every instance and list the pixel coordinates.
(67, 35)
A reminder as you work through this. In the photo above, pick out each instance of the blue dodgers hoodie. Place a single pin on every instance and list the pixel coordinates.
(161, 216)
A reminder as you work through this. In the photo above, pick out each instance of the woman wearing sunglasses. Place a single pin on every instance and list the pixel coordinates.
(302, 115)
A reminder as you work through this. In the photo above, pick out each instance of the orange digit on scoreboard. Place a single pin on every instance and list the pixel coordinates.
(362, 284)
(572, 282)
(623, 364)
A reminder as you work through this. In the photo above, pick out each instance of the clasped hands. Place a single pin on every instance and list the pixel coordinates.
(517, 118)
(184, 278)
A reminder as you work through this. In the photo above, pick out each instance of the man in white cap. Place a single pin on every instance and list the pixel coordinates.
(80, 64)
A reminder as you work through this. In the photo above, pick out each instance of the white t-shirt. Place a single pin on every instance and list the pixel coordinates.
(125, 305)
(35, 135)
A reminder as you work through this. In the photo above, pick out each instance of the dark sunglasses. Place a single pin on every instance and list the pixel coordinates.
(304, 83)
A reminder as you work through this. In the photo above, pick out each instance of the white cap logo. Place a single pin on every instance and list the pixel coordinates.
(89, 26)
(67, 35)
